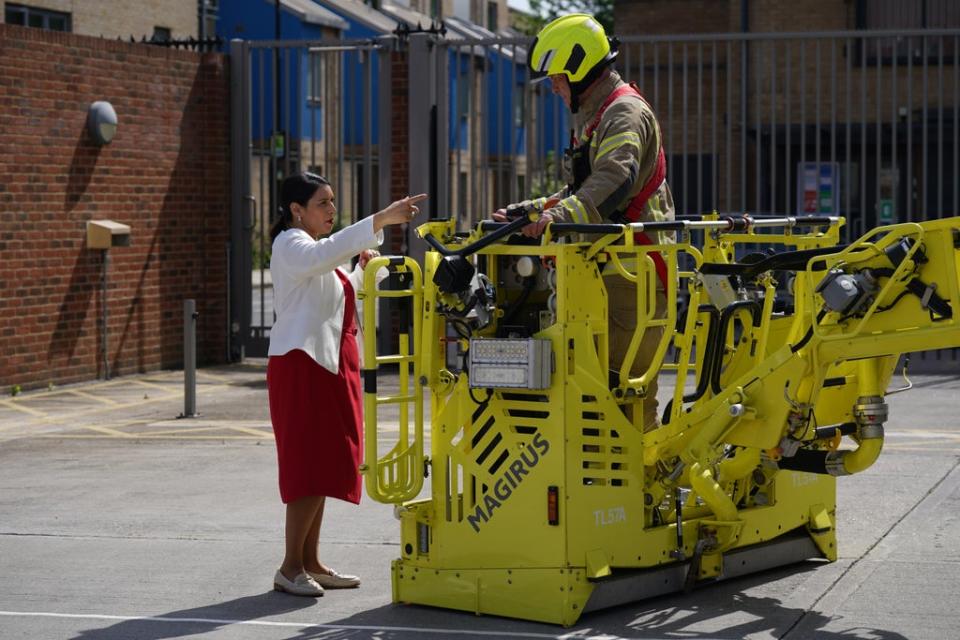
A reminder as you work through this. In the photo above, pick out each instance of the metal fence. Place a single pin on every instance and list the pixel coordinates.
(859, 123)
(864, 124)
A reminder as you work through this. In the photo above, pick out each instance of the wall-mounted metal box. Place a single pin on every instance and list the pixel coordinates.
(103, 234)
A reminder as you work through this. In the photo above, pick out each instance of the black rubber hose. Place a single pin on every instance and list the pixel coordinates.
(502, 231)
(728, 313)
(809, 334)
(709, 353)
(939, 306)
(437, 246)
(510, 313)
(786, 260)
(845, 429)
(918, 287)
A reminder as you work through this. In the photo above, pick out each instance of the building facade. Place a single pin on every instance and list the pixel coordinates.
(159, 19)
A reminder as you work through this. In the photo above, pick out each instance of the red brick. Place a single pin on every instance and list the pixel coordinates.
(172, 191)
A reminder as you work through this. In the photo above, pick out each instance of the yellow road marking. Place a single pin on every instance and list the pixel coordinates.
(918, 443)
(44, 418)
(12, 404)
(213, 376)
(167, 432)
(152, 385)
(256, 432)
(929, 433)
(108, 431)
(83, 394)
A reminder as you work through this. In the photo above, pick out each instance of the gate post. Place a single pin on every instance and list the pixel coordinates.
(385, 114)
(422, 123)
(241, 260)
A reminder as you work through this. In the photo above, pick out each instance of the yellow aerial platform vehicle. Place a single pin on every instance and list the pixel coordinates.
(545, 499)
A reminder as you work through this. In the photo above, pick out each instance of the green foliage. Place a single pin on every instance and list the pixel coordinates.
(15, 390)
(261, 259)
(547, 183)
(547, 10)
(528, 24)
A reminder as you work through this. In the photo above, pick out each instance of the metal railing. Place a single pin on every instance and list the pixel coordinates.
(873, 113)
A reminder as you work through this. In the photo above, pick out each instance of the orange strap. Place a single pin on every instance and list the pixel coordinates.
(635, 208)
(661, 265)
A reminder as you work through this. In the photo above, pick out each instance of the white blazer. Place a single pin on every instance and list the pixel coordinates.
(308, 297)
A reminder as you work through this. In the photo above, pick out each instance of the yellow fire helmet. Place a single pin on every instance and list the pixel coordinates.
(574, 45)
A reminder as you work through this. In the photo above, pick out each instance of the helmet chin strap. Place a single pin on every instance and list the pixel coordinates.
(577, 89)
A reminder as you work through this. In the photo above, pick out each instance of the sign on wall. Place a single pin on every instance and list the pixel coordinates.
(818, 188)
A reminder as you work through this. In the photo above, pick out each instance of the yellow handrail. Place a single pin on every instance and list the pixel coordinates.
(396, 476)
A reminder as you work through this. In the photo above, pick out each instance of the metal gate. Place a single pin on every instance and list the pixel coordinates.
(298, 106)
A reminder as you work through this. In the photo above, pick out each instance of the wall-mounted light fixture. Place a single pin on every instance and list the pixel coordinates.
(102, 122)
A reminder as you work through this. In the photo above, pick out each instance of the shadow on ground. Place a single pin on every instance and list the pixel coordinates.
(724, 611)
(200, 620)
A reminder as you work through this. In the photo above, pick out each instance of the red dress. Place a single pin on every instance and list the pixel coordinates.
(317, 417)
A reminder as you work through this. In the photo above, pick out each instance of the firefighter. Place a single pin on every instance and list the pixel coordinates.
(615, 168)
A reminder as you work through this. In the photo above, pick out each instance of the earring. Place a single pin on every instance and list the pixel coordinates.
(300, 219)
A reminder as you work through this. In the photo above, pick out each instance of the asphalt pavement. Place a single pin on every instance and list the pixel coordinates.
(120, 521)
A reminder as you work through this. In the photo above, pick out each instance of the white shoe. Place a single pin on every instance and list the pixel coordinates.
(334, 580)
(302, 585)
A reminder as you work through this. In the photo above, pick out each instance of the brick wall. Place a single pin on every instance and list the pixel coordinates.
(659, 17)
(399, 141)
(166, 174)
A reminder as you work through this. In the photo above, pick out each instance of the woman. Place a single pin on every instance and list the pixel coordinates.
(313, 371)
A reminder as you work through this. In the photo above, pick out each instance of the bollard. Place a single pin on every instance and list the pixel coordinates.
(189, 359)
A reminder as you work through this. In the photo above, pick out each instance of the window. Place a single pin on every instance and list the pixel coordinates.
(208, 9)
(908, 14)
(519, 106)
(314, 78)
(161, 34)
(492, 21)
(886, 15)
(462, 196)
(39, 18)
(463, 95)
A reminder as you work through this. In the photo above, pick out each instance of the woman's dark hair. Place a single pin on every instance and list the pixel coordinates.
(297, 188)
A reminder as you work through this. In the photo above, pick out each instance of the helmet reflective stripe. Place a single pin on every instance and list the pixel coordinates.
(545, 61)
